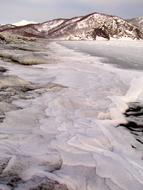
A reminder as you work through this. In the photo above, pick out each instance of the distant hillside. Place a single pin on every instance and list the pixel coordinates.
(24, 22)
(89, 27)
(137, 22)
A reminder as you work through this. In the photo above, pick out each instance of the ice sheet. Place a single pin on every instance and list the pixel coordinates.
(72, 132)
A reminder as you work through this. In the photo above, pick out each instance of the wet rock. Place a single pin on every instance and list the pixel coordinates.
(29, 60)
(20, 163)
(2, 69)
(10, 181)
(3, 164)
(134, 116)
(12, 88)
(12, 81)
(2, 117)
(14, 182)
(23, 58)
(10, 38)
(38, 183)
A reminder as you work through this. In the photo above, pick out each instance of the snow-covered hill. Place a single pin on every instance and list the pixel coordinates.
(24, 22)
(6, 27)
(94, 25)
(137, 22)
(89, 27)
(49, 25)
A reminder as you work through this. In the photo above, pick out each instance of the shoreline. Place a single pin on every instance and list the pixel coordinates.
(63, 127)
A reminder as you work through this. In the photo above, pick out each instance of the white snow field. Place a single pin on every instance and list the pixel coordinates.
(76, 126)
(24, 22)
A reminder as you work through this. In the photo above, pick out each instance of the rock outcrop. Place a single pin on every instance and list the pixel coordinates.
(134, 116)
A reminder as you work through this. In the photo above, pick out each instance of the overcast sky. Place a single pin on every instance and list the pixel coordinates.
(41, 10)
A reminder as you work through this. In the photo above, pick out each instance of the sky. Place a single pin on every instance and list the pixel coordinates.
(12, 11)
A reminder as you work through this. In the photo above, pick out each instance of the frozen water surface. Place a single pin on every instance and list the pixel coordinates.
(70, 134)
(126, 54)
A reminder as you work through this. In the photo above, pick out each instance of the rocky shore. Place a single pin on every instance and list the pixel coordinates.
(36, 183)
(134, 117)
(58, 119)
(12, 88)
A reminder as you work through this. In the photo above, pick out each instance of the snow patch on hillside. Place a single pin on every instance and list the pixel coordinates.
(24, 22)
(45, 27)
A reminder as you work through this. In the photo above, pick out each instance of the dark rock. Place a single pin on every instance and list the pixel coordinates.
(139, 141)
(36, 183)
(101, 32)
(14, 181)
(10, 180)
(133, 126)
(3, 164)
(3, 69)
(134, 116)
(2, 117)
